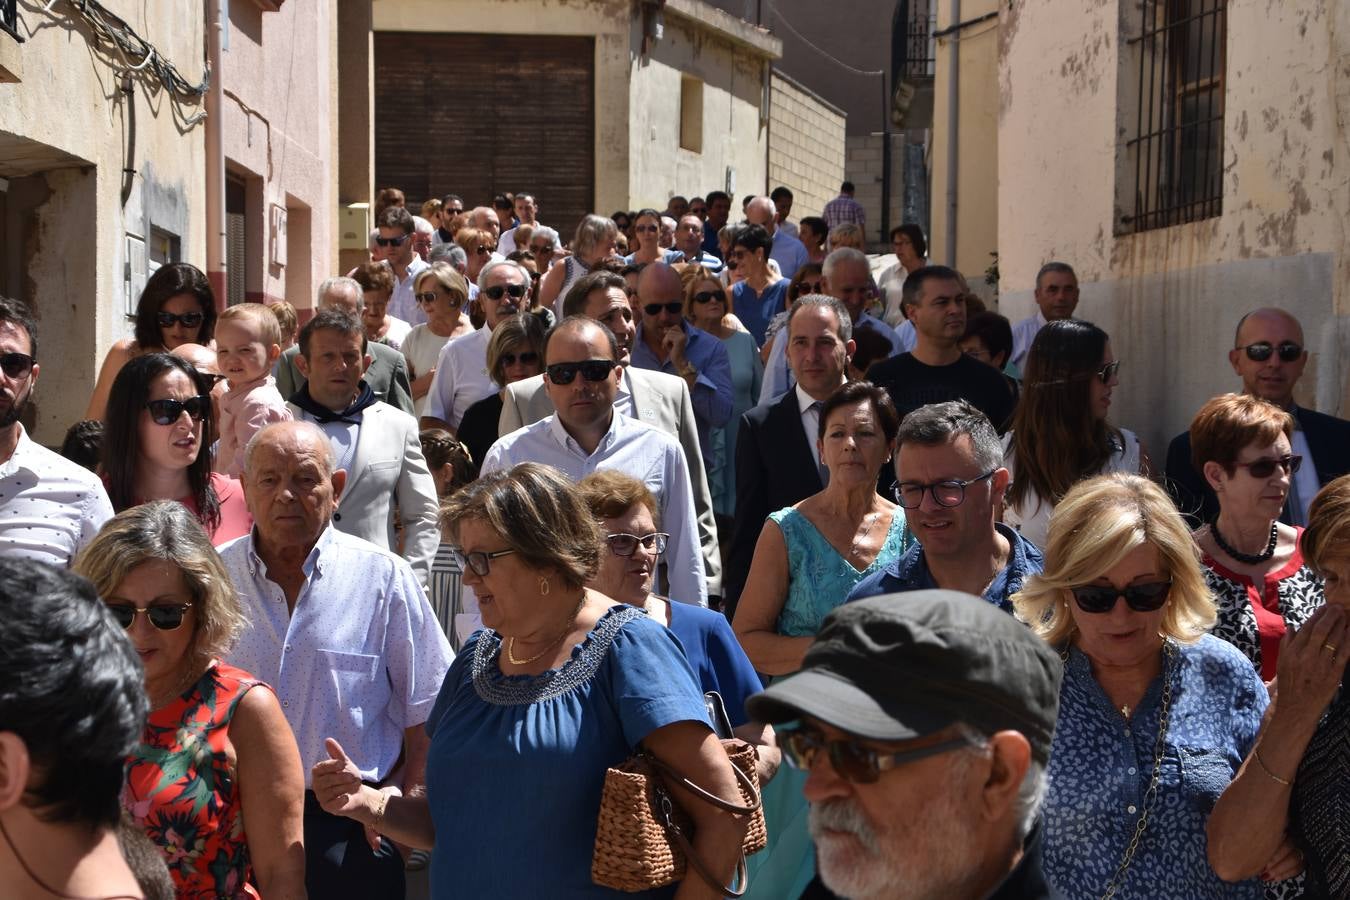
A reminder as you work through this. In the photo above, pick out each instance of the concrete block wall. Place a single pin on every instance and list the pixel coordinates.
(806, 145)
(864, 165)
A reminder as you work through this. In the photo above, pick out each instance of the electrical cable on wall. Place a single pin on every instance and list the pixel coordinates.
(773, 8)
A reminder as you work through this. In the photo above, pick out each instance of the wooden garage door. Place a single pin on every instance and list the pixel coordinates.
(477, 114)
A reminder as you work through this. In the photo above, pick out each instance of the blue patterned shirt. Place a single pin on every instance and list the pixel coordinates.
(1101, 766)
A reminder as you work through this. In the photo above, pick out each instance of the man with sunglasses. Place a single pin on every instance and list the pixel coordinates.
(667, 343)
(924, 723)
(396, 227)
(49, 507)
(951, 482)
(586, 433)
(1269, 356)
(452, 205)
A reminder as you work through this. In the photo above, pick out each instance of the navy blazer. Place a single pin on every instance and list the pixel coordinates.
(1328, 439)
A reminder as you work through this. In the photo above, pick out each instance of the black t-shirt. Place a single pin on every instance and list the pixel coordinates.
(913, 384)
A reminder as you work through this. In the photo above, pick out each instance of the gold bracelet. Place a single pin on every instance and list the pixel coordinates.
(1256, 755)
(384, 802)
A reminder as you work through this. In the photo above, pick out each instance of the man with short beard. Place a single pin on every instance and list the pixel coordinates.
(924, 722)
(49, 507)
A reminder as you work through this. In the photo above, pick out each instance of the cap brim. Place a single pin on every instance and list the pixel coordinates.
(839, 703)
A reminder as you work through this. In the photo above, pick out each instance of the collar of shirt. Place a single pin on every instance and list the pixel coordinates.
(21, 457)
(566, 441)
(912, 572)
(804, 400)
(245, 386)
(624, 404)
(314, 561)
(414, 269)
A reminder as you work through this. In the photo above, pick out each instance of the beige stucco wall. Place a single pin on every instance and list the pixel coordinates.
(278, 126)
(1171, 297)
(64, 144)
(977, 141)
(806, 145)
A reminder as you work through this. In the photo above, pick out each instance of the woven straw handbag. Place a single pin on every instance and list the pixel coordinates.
(643, 837)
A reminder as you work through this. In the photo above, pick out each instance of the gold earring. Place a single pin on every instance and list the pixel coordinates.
(543, 586)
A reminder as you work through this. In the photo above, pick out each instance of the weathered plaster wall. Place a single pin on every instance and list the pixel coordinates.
(67, 131)
(806, 145)
(1171, 297)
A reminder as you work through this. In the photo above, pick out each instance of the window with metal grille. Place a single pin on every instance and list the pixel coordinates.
(920, 21)
(9, 17)
(1174, 167)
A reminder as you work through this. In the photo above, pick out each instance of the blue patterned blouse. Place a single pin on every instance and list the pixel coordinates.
(1101, 766)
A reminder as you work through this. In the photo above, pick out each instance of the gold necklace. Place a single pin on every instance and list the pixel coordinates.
(571, 620)
(871, 520)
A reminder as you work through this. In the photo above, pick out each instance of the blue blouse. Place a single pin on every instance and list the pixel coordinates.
(1101, 766)
(716, 657)
(517, 762)
(755, 310)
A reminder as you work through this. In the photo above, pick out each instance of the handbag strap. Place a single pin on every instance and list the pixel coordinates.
(741, 878)
(708, 796)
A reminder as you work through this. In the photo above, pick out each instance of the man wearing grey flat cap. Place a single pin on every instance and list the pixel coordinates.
(924, 721)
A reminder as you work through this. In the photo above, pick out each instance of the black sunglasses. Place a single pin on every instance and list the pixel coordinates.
(189, 319)
(168, 410)
(16, 365)
(483, 250)
(1107, 372)
(1261, 351)
(851, 760)
(625, 545)
(810, 287)
(592, 370)
(528, 358)
(165, 618)
(1264, 468)
(909, 494)
(211, 378)
(643, 229)
(392, 242)
(497, 291)
(708, 296)
(1150, 597)
(654, 309)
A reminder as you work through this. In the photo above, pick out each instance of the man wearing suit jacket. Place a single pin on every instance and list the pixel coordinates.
(1268, 355)
(777, 463)
(388, 372)
(659, 399)
(375, 444)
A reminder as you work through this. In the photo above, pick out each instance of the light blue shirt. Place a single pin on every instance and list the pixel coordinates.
(360, 659)
(712, 393)
(788, 252)
(403, 301)
(635, 448)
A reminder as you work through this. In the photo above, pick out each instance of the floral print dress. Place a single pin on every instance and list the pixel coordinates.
(182, 791)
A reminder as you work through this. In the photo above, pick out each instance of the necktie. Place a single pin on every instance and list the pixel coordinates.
(820, 465)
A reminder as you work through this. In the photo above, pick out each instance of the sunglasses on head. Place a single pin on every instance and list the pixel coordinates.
(168, 410)
(1264, 468)
(1107, 372)
(165, 618)
(622, 544)
(497, 291)
(708, 296)
(392, 242)
(654, 309)
(16, 365)
(528, 358)
(591, 370)
(1093, 598)
(189, 319)
(852, 760)
(1261, 351)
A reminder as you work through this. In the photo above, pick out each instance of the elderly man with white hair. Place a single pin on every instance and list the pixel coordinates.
(789, 252)
(388, 372)
(424, 234)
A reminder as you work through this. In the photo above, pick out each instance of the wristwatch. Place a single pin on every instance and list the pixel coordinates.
(686, 370)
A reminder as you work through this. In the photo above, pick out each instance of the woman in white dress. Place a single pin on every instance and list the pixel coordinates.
(1060, 432)
(443, 294)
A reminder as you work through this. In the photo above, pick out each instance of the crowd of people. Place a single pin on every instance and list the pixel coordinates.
(314, 598)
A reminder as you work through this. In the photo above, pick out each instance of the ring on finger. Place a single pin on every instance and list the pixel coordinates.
(1330, 646)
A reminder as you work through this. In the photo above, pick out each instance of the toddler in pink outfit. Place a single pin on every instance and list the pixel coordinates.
(248, 343)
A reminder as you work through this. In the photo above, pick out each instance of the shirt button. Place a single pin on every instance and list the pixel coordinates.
(1127, 729)
(1130, 809)
(1130, 770)
(287, 704)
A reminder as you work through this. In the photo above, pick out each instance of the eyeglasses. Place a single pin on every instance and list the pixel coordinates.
(165, 618)
(1107, 372)
(654, 309)
(1261, 351)
(392, 242)
(1150, 597)
(16, 365)
(497, 291)
(592, 370)
(168, 410)
(528, 358)
(483, 250)
(622, 544)
(853, 761)
(709, 296)
(909, 494)
(189, 319)
(1264, 468)
(478, 561)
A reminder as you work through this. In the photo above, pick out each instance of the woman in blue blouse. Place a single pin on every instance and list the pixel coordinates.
(561, 684)
(1155, 715)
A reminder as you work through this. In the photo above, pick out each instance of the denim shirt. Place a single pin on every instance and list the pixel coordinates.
(910, 572)
(1101, 766)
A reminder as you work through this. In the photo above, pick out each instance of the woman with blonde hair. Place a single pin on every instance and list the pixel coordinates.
(846, 234)
(216, 782)
(595, 242)
(443, 296)
(478, 245)
(1155, 714)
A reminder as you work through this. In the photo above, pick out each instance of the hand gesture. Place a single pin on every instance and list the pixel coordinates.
(338, 787)
(674, 341)
(1312, 663)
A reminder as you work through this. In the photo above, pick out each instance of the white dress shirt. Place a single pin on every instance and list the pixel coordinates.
(1304, 485)
(360, 659)
(403, 302)
(635, 448)
(461, 378)
(50, 507)
(1024, 332)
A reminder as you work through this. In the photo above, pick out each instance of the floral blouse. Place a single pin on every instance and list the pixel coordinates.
(181, 788)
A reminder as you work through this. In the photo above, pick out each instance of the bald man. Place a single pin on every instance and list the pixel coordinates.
(666, 342)
(787, 251)
(1269, 356)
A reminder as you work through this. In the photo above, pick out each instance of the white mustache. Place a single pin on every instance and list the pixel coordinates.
(841, 815)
